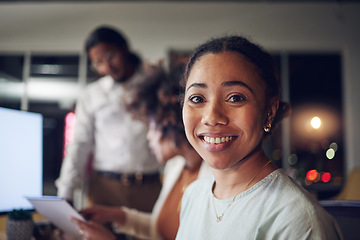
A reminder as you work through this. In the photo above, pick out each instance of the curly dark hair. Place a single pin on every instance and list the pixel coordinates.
(263, 61)
(156, 97)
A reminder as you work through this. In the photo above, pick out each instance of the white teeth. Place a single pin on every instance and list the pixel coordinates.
(217, 140)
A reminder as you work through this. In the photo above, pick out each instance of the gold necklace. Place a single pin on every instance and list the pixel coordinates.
(219, 217)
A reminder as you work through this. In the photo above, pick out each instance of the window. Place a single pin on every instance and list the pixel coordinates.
(310, 143)
(11, 87)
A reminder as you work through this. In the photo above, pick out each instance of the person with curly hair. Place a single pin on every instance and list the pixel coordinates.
(155, 101)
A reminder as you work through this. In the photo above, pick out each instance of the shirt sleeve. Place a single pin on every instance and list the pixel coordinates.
(78, 151)
(305, 222)
(138, 224)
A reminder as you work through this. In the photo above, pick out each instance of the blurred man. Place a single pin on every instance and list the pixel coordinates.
(123, 170)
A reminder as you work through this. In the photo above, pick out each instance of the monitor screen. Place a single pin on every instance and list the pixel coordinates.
(20, 158)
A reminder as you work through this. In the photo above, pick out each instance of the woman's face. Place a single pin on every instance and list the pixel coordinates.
(224, 108)
(162, 148)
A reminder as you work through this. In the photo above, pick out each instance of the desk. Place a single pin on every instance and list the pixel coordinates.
(3, 219)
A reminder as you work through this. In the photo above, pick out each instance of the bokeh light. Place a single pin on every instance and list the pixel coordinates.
(334, 146)
(315, 122)
(330, 153)
(318, 177)
(292, 159)
(311, 175)
(314, 125)
(326, 177)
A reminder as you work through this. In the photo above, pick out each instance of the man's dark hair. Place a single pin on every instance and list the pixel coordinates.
(108, 35)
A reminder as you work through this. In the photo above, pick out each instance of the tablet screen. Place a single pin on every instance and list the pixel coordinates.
(58, 211)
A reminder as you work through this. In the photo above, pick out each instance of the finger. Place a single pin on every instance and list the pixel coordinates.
(88, 213)
(81, 225)
(88, 209)
(78, 222)
(91, 225)
(81, 232)
(75, 220)
(86, 216)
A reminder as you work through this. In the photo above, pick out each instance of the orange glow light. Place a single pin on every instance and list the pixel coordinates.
(311, 175)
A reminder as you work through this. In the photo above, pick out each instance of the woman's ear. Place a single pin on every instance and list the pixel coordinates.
(270, 114)
(273, 107)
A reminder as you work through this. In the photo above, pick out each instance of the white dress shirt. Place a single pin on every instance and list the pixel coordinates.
(105, 129)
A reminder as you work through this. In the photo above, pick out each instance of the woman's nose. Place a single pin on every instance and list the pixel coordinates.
(214, 114)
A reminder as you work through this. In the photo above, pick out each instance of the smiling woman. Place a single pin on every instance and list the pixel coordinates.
(231, 103)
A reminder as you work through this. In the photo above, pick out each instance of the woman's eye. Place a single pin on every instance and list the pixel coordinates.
(196, 99)
(236, 98)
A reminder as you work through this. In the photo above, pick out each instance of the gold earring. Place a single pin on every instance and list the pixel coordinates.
(267, 128)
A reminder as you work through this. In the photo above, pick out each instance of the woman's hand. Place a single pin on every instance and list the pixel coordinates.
(103, 214)
(93, 231)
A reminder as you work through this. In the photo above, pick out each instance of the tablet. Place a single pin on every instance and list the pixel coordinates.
(58, 211)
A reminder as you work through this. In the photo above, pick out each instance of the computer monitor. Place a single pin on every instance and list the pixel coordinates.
(21, 141)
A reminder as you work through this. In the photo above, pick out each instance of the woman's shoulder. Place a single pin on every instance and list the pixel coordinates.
(291, 185)
(287, 203)
(283, 185)
(290, 195)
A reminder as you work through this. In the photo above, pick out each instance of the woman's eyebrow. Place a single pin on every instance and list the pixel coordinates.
(236, 83)
(199, 85)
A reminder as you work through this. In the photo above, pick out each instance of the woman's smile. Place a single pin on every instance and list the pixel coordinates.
(217, 143)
